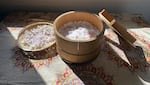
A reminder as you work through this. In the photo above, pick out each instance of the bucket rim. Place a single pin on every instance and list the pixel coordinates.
(70, 12)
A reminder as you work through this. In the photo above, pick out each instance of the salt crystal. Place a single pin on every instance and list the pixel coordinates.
(38, 37)
(79, 30)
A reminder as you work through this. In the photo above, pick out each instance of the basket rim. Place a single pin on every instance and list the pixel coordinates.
(26, 28)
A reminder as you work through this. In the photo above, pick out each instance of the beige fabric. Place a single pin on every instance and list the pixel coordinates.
(117, 64)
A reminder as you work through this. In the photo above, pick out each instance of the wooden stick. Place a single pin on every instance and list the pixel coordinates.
(112, 23)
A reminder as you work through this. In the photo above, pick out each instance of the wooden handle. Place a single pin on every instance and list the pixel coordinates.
(112, 23)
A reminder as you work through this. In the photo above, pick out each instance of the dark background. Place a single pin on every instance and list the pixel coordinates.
(114, 6)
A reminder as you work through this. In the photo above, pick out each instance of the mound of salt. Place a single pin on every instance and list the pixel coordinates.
(38, 37)
(79, 30)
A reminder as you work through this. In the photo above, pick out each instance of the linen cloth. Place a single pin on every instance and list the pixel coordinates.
(117, 64)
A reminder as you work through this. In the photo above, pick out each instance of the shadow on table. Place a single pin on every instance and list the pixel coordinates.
(98, 71)
(137, 60)
(16, 68)
(135, 55)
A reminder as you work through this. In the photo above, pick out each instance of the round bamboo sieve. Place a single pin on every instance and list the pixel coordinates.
(68, 49)
(45, 52)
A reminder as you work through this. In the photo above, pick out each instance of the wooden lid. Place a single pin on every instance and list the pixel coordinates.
(113, 24)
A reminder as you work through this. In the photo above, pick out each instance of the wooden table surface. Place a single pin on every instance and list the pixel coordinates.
(117, 64)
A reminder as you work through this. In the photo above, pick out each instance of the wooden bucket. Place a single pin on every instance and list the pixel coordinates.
(67, 49)
(45, 52)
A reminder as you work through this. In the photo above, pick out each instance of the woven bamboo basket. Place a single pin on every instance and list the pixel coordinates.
(67, 49)
(42, 53)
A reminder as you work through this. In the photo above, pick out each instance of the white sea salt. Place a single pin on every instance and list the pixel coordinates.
(38, 37)
(79, 30)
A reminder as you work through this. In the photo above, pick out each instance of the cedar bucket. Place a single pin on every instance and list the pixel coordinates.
(67, 48)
